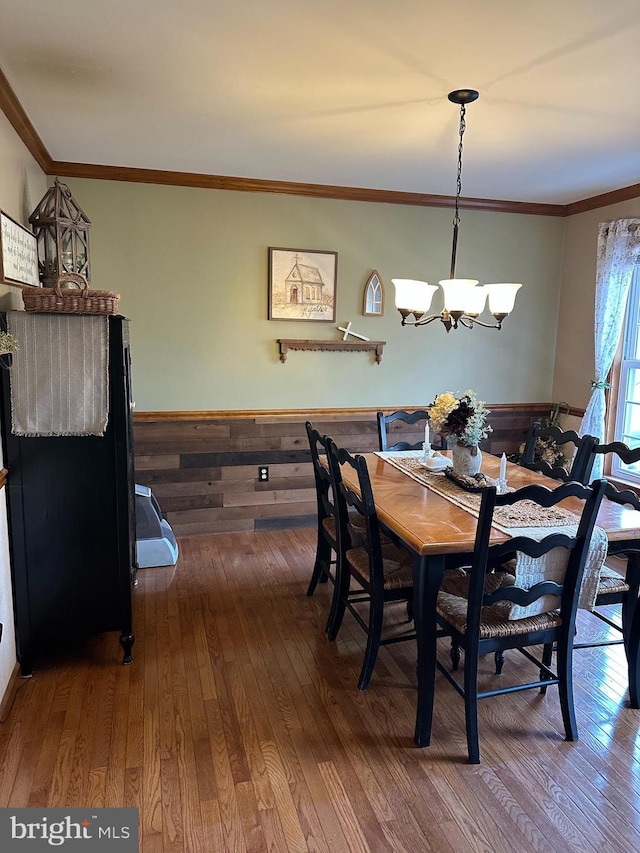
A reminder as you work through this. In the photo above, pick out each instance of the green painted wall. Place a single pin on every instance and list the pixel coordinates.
(191, 265)
(22, 185)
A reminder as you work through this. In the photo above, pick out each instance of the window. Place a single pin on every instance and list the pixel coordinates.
(627, 428)
(373, 295)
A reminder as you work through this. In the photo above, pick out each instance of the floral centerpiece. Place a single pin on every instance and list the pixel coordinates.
(464, 417)
(8, 342)
(546, 448)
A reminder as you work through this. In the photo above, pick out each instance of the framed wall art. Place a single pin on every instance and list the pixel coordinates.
(302, 285)
(18, 253)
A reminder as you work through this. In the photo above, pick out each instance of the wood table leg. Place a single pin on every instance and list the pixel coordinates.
(427, 577)
(631, 627)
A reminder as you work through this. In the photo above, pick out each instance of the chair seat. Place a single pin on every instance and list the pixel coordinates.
(356, 522)
(452, 606)
(357, 529)
(396, 565)
(329, 524)
(611, 582)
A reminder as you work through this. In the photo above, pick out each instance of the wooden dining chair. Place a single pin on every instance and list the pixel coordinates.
(613, 588)
(324, 567)
(579, 470)
(477, 611)
(581, 464)
(381, 568)
(410, 418)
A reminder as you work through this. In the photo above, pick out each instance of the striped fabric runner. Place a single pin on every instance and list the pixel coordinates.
(59, 376)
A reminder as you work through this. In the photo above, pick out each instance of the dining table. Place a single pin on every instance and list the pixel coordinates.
(438, 532)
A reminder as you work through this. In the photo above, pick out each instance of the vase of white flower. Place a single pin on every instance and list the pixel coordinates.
(462, 418)
(466, 459)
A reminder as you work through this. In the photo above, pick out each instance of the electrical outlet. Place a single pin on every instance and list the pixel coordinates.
(263, 473)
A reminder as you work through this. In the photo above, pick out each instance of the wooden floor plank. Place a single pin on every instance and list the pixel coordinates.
(239, 727)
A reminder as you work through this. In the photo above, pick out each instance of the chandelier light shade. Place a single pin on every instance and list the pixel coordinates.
(464, 298)
(62, 233)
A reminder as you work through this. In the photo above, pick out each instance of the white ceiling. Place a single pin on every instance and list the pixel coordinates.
(345, 92)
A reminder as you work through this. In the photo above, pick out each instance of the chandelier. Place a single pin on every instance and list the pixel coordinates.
(464, 300)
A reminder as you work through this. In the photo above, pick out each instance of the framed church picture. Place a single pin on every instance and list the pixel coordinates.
(302, 285)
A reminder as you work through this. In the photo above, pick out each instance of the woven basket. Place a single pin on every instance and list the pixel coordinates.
(79, 300)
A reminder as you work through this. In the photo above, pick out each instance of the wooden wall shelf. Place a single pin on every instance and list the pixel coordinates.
(331, 346)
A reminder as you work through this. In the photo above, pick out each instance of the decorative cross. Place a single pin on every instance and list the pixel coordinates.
(347, 331)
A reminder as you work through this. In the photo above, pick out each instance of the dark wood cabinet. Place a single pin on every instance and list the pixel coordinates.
(71, 524)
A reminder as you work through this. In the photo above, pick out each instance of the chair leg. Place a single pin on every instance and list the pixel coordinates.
(471, 706)
(499, 660)
(373, 642)
(455, 655)
(565, 687)
(410, 610)
(547, 654)
(336, 615)
(339, 600)
(323, 558)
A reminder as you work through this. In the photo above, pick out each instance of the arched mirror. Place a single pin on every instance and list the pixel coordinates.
(373, 302)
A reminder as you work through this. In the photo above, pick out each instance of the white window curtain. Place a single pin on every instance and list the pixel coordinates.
(618, 252)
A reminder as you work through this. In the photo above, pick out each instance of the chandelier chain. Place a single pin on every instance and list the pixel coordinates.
(463, 127)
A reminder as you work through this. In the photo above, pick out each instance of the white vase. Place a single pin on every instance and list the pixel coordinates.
(466, 460)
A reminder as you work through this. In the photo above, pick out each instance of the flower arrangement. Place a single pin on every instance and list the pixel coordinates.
(8, 342)
(463, 416)
(546, 449)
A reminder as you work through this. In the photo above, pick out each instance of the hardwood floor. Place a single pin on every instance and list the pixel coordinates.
(239, 728)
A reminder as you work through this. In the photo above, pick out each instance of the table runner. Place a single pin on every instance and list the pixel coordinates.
(519, 521)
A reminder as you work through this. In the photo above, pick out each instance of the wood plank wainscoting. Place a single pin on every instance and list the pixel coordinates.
(203, 466)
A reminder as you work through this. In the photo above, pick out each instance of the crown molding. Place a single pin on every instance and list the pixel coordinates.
(255, 185)
(12, 108)
(613, 197)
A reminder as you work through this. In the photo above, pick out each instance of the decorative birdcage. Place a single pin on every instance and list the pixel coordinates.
(62, 231)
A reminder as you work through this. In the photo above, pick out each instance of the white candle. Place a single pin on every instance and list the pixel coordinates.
(426, 434)
(503, 467)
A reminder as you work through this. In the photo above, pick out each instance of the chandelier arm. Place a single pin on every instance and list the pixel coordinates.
(472, 321)
(422, 320)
